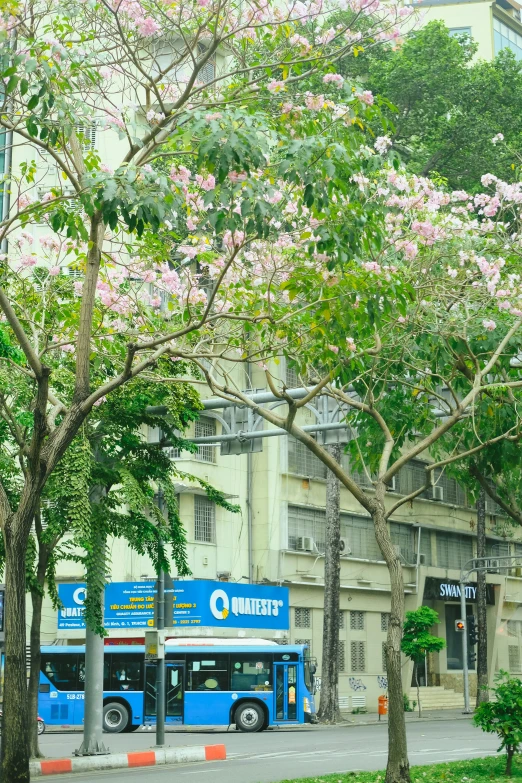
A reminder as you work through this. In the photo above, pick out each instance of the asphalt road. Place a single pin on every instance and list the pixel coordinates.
(280, 754)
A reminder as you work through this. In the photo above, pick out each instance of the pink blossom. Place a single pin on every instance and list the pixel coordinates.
(54, 271)
(497, 138)
(147, 26)
(100, 401)
(401, 319)
(372, 266)
(47, 197)
(78, 287)
(350, 344)
(207, 184)
(233, 240)
(452, 272)
(489, 325)
(188, 251)
(334, 78)
(67, 348)
(314, 102)
(180, 174)
(488, 179)
(27, 261)
(275, 198)
(287, 107)
(24, 201)
(215, 116)
(334, 348)
(275, 86)
(382, 143)
(365, 97)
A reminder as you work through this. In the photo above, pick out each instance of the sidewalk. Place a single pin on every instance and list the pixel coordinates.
(371, 718)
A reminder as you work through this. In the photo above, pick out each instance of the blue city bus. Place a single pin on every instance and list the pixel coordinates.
(252, 683)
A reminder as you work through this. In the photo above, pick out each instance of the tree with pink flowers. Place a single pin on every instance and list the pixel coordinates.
(152, 146)
(417, 343)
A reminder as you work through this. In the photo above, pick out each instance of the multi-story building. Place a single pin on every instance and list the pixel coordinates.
(493, 24)
(278, 538)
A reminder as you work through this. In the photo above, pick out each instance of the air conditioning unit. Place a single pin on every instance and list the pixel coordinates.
(344, 547)
(438, 492)
(305, 544)
(224, 576)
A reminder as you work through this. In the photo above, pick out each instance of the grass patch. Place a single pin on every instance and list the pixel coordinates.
(472, 771)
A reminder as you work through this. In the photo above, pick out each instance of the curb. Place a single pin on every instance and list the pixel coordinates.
(147, 758)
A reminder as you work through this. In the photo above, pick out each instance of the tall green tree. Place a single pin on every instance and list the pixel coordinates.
(448, 106)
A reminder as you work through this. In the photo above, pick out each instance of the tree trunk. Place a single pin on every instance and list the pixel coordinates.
(416, 666)
(329, 707)
(15, 736)
(398, 767)
(37, 595)
(482, 625)
(509, 761)
(34, 674)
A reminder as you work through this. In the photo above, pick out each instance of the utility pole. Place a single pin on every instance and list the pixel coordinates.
(482, 648)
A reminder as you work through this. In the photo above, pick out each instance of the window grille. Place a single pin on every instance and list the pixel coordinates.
(498, 549)
(341, 621)
(205, 428)
(357, 621)
(208, 72)
(359, 531)
(384, 657)
(304, 641)
(302, 462)
(358, 656)
(513, 628)
(385, 620)
(514, 659)
(204, 520)
(453, 550)
(302, 618)
(292, 379)
(341, 657)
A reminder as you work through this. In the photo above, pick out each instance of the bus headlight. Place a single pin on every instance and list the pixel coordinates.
(307, 705)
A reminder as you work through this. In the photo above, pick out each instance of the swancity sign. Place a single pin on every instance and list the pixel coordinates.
(195, 603)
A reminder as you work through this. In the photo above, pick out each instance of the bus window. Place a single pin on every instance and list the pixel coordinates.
(208, 673)
(62, 670)
(249, 672)
(125, 672)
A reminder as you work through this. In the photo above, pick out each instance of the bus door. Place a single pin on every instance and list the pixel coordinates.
(285, 691)
(174, 692)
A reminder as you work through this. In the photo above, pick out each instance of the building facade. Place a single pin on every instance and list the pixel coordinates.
(278, 539)
(493, 25)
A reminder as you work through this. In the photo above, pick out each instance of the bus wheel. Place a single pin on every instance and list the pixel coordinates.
(115, 717)
(249, 717)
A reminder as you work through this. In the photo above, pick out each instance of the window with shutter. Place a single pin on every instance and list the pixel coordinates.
(385, 619)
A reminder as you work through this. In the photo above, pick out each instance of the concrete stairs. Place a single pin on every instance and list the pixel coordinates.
(438, 698)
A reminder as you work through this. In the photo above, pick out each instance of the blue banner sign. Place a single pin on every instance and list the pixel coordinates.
(195, 603)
